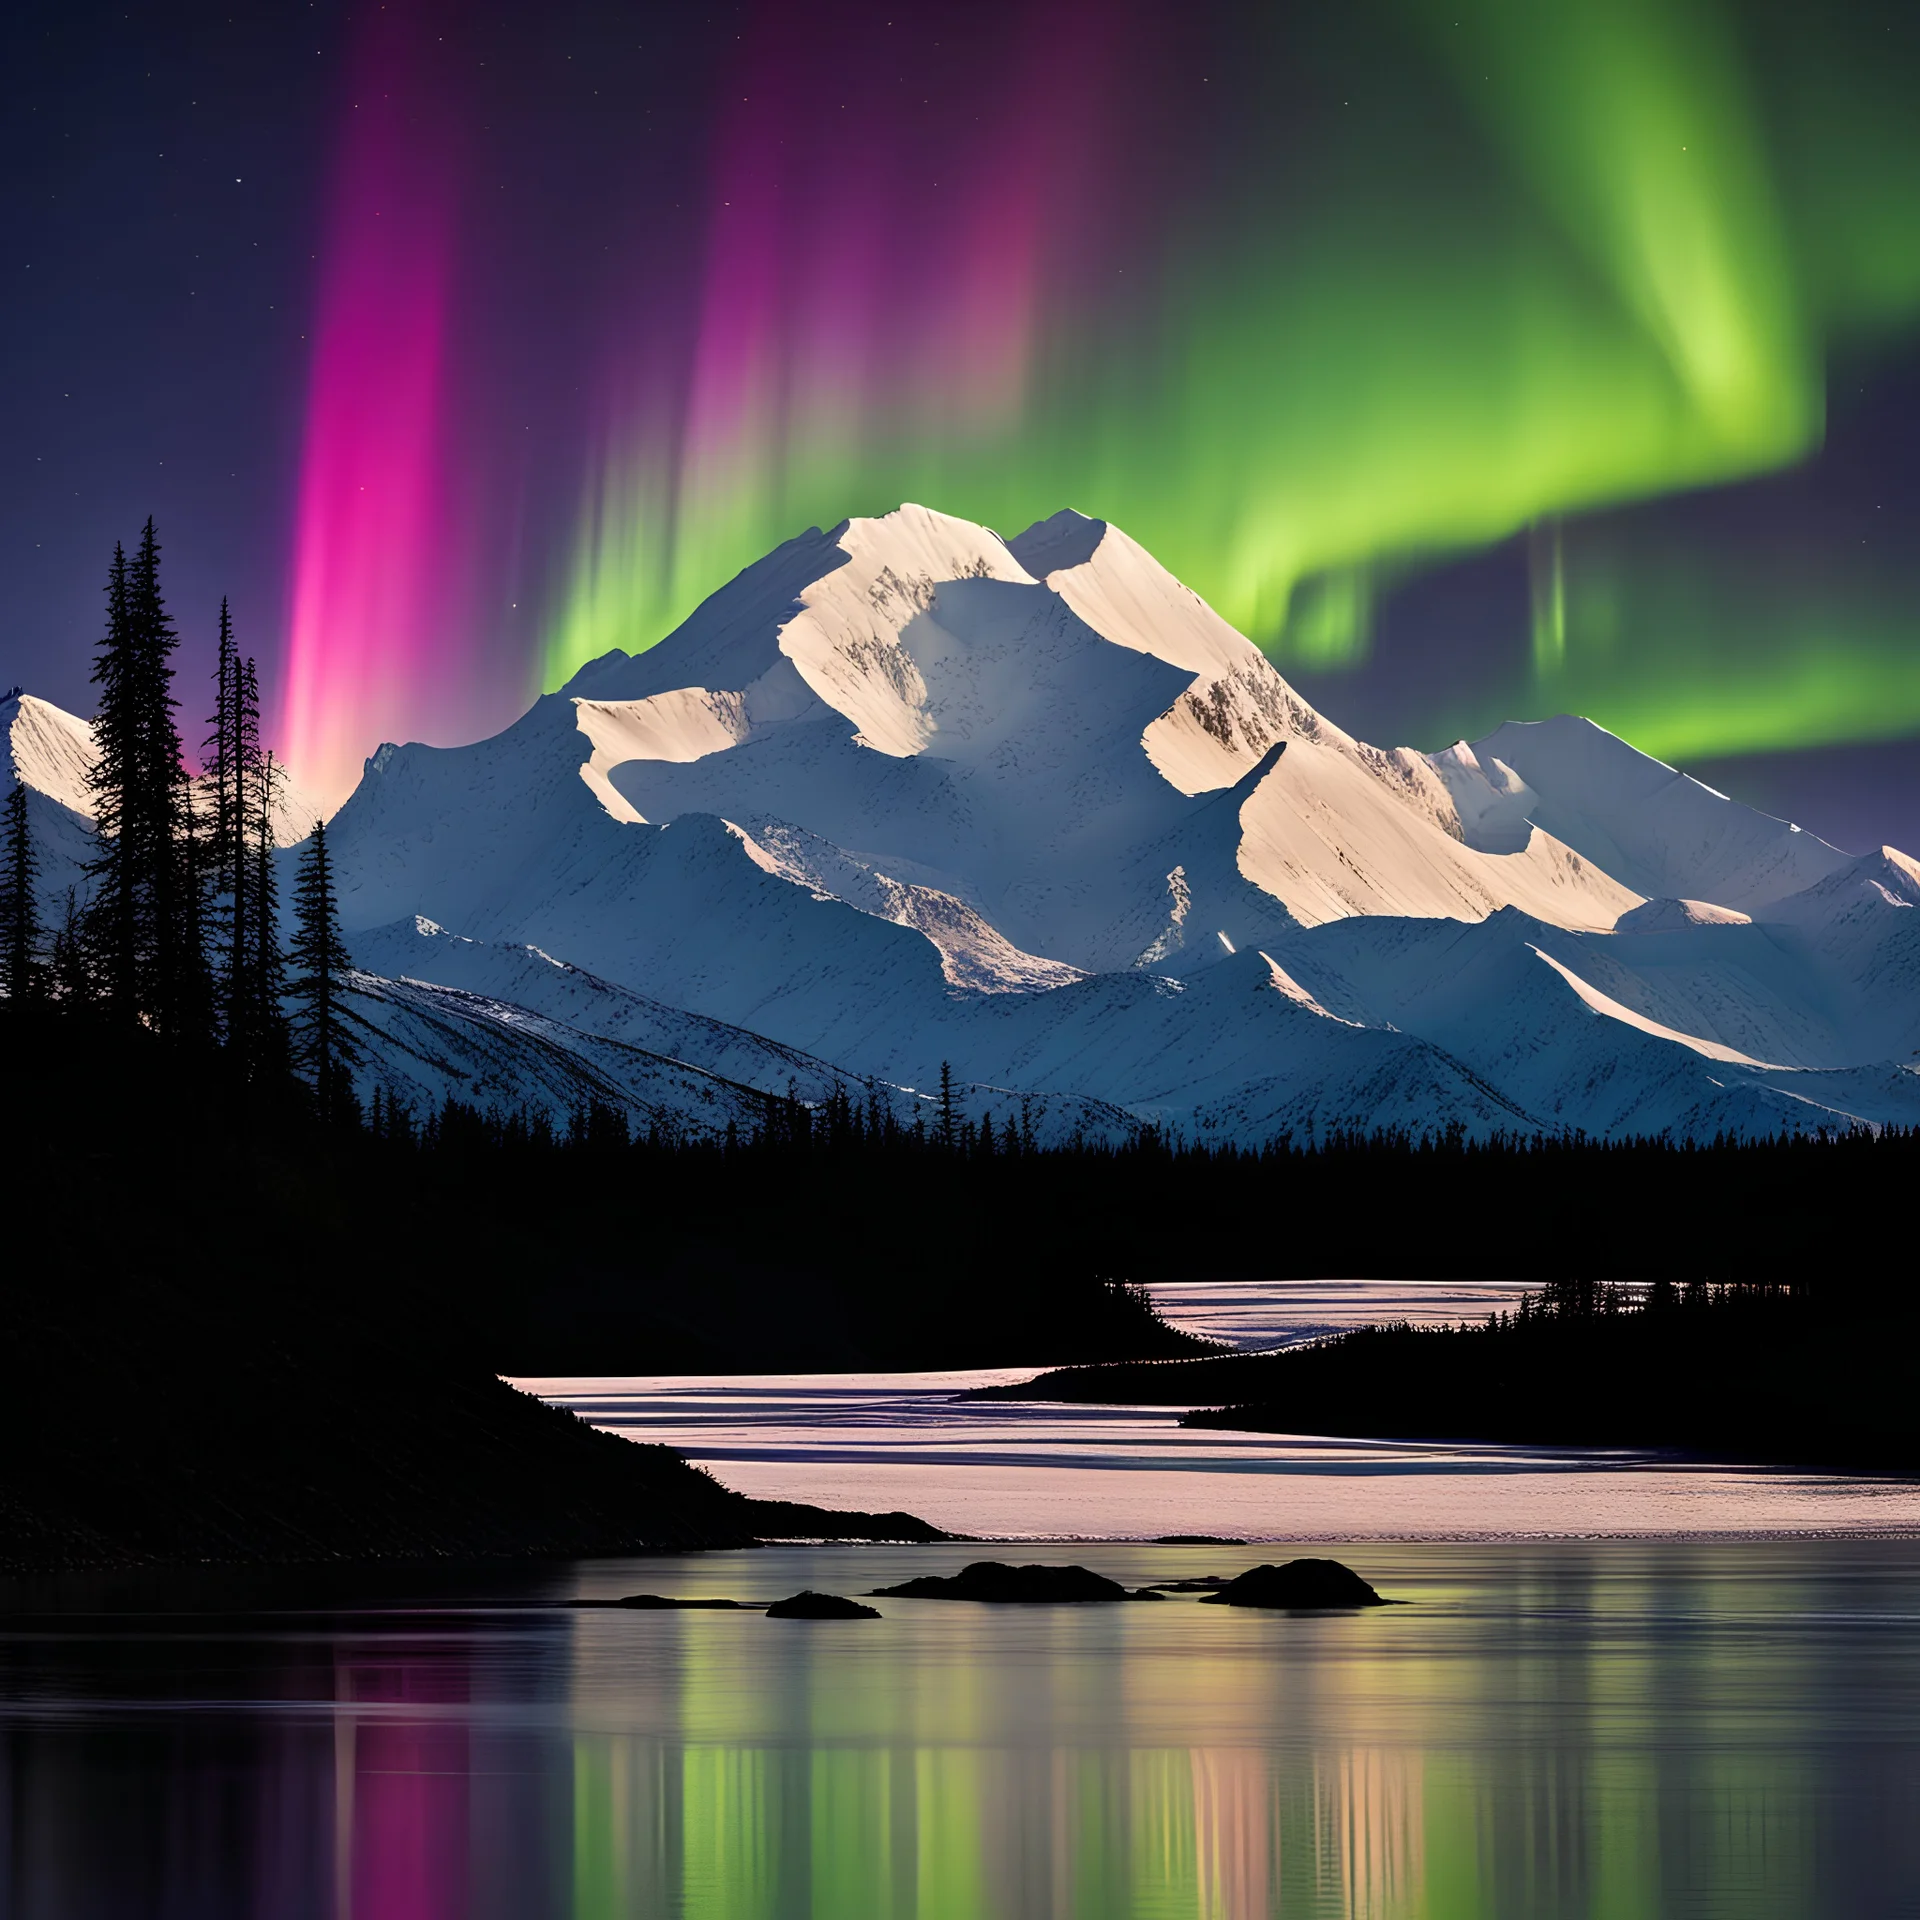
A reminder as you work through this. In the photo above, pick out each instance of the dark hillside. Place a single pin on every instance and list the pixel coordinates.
(208, 1353)
(145, 1419)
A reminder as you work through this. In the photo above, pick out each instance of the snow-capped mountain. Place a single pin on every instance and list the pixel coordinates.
(52, 753)
(906, 793)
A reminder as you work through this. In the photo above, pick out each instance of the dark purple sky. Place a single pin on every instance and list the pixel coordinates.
(181, 214)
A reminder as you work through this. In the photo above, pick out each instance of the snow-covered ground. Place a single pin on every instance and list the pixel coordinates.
(906, 793)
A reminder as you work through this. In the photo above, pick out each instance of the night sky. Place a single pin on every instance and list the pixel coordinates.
(1481, 360)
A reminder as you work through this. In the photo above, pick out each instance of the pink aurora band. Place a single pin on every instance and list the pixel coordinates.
(864, 320)
(378, 580)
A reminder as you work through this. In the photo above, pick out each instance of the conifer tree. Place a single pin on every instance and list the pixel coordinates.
(323, 1049)
(20, 975)
(113, 924)
(224, 855)
(162, 797)
(250, 1024)
(223, 761)
(268, 987)
(146, 920)
(947, 1131)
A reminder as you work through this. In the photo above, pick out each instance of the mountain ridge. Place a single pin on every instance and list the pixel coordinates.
(904, 793)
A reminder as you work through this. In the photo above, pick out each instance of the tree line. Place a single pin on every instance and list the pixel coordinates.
(1795, 1370)
(1577, 1213)
(177, 931)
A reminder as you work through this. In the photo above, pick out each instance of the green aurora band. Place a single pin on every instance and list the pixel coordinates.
(1521, 262)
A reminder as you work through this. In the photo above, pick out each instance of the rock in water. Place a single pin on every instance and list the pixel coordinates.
(994, 1580)
(661, 1602)
(820, 1606)
(1300, 1583)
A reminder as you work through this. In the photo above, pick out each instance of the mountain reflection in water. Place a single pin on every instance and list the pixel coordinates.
(1551, 1728)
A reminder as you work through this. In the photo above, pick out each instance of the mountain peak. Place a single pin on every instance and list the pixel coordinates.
(1066, 539)
(53, 752)
(48, 749)
(904, 792)
(1655, 829)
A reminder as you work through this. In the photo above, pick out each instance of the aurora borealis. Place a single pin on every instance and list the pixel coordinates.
(550, 326)
(377, 594)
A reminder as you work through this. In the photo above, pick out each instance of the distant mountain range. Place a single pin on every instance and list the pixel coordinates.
(906, 793)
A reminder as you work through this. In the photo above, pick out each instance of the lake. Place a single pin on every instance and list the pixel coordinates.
(1014, 1470)
(1548, 1729)
(1622, 1687)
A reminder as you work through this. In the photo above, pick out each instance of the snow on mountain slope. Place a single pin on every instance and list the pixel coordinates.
(696, 913)
(648, 747)
(1860, 927)
(462, 834)
(1651, 828)
(1324, 833)
(1236, 708)
(1025, 796)
(1183, 1052)
(1176, 1051)
(1732, 985)
(973, 953)
(818, 622)
(1516, 1003)
(1675, 916)
(1609, 1008)
(522, 977)
(1860, 892)
(424, 1043)
(1030, 739)
(903, 793)
(1187, 901)
(52, 752)
(700, 914)
(1338, 827)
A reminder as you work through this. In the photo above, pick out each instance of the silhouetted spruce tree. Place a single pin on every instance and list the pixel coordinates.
(250, 1023)
(223, 758)
(323, 1049)
(147, 924)
(20, 966)
(947, 1132)
(113, 928)
(226, 839)
(178, 993)
(266, 1008)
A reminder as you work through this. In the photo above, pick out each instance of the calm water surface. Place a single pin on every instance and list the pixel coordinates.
(1549, 1728)
(1624, 1687)
(1041, 1470)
